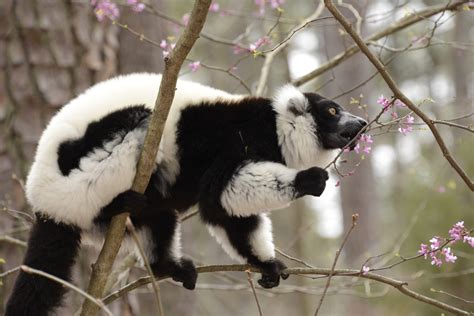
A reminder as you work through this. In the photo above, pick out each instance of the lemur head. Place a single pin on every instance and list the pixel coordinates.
(310, 127)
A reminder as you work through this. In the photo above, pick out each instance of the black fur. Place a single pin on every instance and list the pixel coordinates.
(116, 124)
(52, 248)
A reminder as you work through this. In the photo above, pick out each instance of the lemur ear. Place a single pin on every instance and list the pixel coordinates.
(289, 100)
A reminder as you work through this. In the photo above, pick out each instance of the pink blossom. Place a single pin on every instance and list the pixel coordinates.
(258, 43)
(394, 115)
(435, 261)
(448, 255)
(163, 44)
(366, 138)
(399, 104)
(405, 127)
(136, 5)
(214, 7)
(362, 144)
(195, 66)
(357, 148)
(105, 9)
(424, 250)
(469, 240)
(457, 231)
(383, 101)
(261, 6)
(435, 242)
(441, 189)
(365, 270)
(276, 3)
(405, 130)
(236, 49)
(185, 19)
(338, 183)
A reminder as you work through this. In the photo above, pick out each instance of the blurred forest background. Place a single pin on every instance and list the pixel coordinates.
(404, 190)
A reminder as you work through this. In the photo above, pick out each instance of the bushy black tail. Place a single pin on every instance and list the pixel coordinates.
(52, 248)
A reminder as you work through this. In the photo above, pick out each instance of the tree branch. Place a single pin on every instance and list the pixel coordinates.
(398, 93)
(395, 27)
(115, 233)
(399, 285)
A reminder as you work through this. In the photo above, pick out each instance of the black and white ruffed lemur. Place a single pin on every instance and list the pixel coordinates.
(234, 156)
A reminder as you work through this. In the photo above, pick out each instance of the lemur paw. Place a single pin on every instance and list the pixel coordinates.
(133, 202)
(183, 271)
(186, 274)
(271, 273)
(311, 181)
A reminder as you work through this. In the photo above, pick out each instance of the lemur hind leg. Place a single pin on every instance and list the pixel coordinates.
(163, 228)
(250, 239)
(166, 257)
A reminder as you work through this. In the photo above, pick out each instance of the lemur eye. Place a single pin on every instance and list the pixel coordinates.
(332, 111)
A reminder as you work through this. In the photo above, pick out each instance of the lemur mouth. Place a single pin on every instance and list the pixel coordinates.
(350, 135)
(349, 138)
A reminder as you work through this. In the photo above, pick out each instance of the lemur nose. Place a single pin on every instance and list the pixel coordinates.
(362, 122)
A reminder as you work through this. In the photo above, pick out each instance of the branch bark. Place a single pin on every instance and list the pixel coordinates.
(398, 93)
(399, 285)
(115, 233)
(395, 27)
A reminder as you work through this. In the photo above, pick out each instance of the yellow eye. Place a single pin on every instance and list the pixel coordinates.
(332, 111)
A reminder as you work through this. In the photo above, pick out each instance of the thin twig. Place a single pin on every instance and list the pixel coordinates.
(293, 258)
(338, 253)
(156, 288)
(13, 241)
(94, 300)
(452, 295)
(8, 272)
(252, 286)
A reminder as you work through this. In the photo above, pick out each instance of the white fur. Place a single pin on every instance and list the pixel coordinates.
(261, 240)
(176, 252)
(77, 198)
(258, 187)
(297, 131)
(222, 238)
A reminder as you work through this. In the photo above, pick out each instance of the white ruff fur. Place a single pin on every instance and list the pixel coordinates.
(76, 199)
(296, 131)
(262, 240)
(221, 236)
(258, 187)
